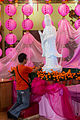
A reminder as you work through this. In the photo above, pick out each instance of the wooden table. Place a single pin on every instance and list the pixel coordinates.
(5, 93)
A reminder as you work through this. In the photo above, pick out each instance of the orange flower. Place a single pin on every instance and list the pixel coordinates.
(38, 75)
(51, 69)
(58, 80)
(49, 76)
(46, 76)
(44, 71)
(33, 67)
(9, 71)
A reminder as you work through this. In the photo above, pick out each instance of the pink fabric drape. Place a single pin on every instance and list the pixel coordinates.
(65, 34)
(28, 45)
(57, 95)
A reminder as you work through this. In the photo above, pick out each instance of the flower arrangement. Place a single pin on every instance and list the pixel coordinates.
(57, 76)
(53, 76)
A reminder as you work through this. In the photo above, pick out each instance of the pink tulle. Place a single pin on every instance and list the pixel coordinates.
(66, 33)
(57, 95)
(28, 45)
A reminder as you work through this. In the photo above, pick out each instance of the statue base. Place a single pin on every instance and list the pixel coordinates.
(47, 69)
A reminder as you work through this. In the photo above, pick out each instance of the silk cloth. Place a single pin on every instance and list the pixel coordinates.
(57, 95)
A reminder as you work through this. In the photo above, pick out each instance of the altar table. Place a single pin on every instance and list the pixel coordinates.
(5, 93)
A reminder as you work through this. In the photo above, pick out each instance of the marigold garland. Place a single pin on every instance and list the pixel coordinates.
(53, 76)
(57, 76)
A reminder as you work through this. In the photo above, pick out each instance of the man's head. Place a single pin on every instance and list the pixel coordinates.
(22, 58)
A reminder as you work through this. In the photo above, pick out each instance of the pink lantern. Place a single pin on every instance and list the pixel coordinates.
(43, 23)
(9, 50)
(0, 38)
(10, 10)
(63, 9)
(0, 52)
(47, 0)
(10, 24)
(65, 52)
(47, 9)
(27, 9)
(10, 0)
(11, 38)
(77, 9)
(27, 24)
(77, 24)
(0, 23)
(0, 7)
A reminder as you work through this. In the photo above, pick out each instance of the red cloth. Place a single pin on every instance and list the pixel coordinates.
(32, 110)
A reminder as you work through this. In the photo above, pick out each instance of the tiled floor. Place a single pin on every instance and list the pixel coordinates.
(3, 116)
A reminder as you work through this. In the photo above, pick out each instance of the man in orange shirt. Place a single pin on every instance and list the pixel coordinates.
(23, 94)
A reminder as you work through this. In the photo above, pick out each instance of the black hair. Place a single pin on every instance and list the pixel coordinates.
(22, 57)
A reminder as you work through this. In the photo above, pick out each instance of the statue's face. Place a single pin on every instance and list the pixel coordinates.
(47, 20)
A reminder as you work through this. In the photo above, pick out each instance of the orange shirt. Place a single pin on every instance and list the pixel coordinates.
(24, 71)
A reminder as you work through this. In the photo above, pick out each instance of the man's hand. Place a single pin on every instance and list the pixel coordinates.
(37, 68)
(42, 64)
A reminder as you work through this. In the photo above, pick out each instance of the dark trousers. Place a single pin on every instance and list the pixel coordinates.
(23, 100)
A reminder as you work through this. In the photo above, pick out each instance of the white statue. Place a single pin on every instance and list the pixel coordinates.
(48, 39)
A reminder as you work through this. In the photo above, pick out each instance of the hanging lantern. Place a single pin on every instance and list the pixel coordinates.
(43, 23)
(27, 9)
(63, 10)
(0, 52)
(0, 7)
(10, 24)
(77, 10)
(0, 38)
(27, 24)
(47, 0)
(10, 38)
(47, 9)
(77, 24)
(9, 50)
(10, 10)
(10, 1)
(0, 23)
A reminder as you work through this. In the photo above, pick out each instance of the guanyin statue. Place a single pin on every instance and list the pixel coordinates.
(48, 42)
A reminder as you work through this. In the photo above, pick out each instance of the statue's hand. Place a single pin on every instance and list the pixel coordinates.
(43, 55)
(40, 33)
